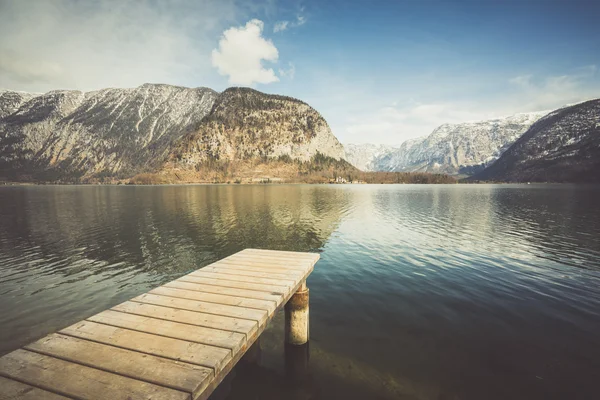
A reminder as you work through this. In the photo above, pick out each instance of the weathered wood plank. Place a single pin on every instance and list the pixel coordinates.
(308, 258)
(251, 294)
(264, 281)
(215, 298)
(242, 260)
(219, 322)
(260, 316)
(274, 271)
(191, 333)
(79, 381)
(273, 258)
(13, 390)
(237, 285)
(289, 255)
(175, 349)
(161, 371)
(251, 271)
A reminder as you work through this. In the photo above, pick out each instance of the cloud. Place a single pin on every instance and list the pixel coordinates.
(281, 26)
(399, 122)
(522, 80)
(66, 44)
(402, 120)
(550, 92)
(288, 73)
(14, 67)
(241, 52)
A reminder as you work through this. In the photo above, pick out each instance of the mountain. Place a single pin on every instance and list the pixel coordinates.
(63, 135)
(118, 133)
(399, 159)
(247, 124)
(363, 156)
(564, 146)
(458, 148)
(11, 101)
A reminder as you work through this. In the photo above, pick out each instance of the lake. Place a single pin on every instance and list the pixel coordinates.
(423, 292)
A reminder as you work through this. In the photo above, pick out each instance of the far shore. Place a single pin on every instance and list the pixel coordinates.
(269, 183)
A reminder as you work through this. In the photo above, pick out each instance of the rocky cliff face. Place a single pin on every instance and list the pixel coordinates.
(363, 156)
(64, 135)
(71, 135)
(564, 146)
(11, 101)
(458, 148)
(246, 124)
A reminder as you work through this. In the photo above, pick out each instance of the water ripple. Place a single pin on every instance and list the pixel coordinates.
(427, 284)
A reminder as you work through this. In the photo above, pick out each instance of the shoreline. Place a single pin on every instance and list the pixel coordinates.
(283, 183)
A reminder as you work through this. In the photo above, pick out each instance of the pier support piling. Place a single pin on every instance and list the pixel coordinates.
(296, 317)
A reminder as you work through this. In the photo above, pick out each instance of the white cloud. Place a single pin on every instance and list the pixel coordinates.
(399, 122)
(241, 52)
(65, 44)
(281, 26)
(288, 73)
(525, 93)
(521, 80)
(541, 93)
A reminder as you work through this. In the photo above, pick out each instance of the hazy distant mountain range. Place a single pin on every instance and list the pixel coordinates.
(558, 146)
(365, 156)
(451, 148)
(72, 136)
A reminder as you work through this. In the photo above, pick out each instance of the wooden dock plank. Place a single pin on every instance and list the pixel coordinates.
(251, 294)
(12, 390)
(177, 341)
(79, 381)
(274, 271)
(191, 333)
(267, 305)
(314, 257)
(237, 285)
(292, 262)
(265, 281)
(219, 322)
(283, 259)
(253, 262)
(175, 349)
(260, 316)
(161, 371)
(250, 271)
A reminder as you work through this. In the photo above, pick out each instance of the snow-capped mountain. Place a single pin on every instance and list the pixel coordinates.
(458, 148)
(362, 156)
(71, 135)
(68, 133)
(563, 146)
(10, 101)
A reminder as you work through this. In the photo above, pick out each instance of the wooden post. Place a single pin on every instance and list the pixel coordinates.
(296, 317)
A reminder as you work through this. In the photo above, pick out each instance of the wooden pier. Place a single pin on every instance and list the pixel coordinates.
(177, 341)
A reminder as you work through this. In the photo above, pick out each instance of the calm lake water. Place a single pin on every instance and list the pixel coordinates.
(422, 292)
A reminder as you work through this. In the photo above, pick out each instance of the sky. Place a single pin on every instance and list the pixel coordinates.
(378, 71)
